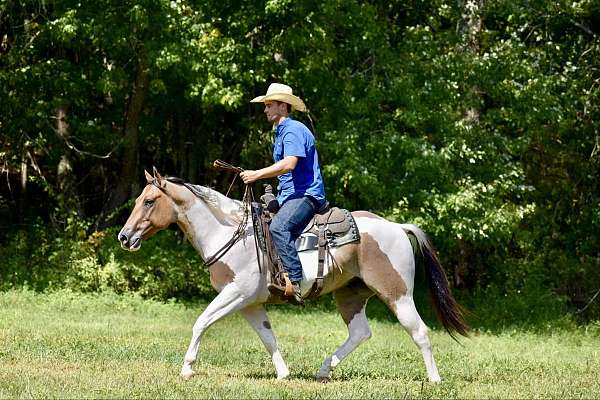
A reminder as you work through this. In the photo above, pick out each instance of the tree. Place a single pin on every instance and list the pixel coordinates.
(477, 120)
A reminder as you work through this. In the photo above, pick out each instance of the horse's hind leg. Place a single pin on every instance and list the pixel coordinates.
(409, 318)
(257, 318)
(351, 302)
(386, 280)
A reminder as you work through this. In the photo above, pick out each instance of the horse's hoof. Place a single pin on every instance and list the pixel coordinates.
(323, 379)
(187, 374)
(283, 376)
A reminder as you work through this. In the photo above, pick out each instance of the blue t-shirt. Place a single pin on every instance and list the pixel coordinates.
(293, 138)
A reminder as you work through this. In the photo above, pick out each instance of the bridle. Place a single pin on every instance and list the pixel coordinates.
(247, 200)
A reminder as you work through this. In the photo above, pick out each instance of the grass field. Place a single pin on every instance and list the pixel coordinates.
(70, 345)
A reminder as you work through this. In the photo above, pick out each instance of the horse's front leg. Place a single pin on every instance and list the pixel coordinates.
(228, 301)
(257, 317)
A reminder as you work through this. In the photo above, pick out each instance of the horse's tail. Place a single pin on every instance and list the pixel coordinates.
(449, 312)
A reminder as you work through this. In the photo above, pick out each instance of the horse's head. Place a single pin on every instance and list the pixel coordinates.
(154, 210)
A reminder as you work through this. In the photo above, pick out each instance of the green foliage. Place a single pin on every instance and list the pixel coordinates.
(486, 137)
(165, 267)
(497, 308)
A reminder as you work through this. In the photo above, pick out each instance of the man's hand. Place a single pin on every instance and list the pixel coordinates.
(249, 176)
(280, 167)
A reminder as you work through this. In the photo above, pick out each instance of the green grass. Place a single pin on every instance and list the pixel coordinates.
(71, 345)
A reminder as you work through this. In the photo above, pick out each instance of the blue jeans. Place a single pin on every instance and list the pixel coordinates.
(286, 227)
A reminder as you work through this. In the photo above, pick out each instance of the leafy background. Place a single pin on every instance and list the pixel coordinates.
(477, 120)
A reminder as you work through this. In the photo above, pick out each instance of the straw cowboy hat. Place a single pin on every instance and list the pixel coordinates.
(283, 93)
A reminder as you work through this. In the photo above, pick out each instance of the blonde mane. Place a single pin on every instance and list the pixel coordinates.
(225, 209)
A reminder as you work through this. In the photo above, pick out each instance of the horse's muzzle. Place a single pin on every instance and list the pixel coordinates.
(128, 241)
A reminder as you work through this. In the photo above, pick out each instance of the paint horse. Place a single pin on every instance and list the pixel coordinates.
(381, 264)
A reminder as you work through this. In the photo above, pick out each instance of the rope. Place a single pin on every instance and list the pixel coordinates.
(247, 200)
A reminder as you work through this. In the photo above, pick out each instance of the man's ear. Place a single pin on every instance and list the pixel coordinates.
(159, 179)
(149, 177)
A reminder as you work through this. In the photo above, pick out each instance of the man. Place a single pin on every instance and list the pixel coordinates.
(300, 192)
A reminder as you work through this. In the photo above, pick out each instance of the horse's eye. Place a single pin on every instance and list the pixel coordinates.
(148, 203)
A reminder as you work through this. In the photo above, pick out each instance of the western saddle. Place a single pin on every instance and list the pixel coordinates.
(330, 227)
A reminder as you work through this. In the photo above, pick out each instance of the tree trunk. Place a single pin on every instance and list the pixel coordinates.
(469, 29)
(67, 193)
(22, 189)
(470, 24)
(126, 182)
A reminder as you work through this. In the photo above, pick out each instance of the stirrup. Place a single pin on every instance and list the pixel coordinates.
(287, 290)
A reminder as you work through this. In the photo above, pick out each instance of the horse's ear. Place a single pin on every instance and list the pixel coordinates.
(159, 179)
(149, 177)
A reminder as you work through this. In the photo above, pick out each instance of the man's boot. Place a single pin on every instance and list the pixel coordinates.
(296, 295)
(290, 290)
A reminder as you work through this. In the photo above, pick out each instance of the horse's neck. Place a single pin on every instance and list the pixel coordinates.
(205, 230)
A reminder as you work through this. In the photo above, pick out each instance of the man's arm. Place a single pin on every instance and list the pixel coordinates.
(280, 167)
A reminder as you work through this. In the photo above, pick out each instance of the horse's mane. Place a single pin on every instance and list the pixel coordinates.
(224, 208)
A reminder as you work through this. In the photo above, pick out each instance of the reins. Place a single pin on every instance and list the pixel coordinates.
(222, 165)
(239, 232)
(246, 201)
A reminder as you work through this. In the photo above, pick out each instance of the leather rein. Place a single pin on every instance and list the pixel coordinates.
(246, 201)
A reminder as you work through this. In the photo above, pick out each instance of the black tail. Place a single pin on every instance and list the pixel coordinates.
(449, 312)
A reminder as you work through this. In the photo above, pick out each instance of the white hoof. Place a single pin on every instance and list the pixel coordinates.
(435, 380)
(187, 374)
(283, 376)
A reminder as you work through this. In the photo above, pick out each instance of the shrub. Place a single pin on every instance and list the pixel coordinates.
(165, 267)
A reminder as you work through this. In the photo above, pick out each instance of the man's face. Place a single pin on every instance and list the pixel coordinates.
(275, 110)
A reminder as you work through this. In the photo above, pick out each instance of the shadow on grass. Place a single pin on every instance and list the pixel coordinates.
(301, 376)
(492, 310)
(344, 375)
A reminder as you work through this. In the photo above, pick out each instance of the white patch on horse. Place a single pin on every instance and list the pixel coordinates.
(334, 361)
(409, 318)
(257, 318)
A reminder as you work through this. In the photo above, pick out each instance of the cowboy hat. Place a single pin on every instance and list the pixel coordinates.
(283, 93)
